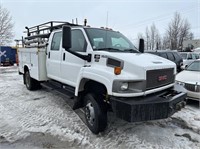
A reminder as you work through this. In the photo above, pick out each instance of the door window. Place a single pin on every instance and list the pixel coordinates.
(170, 56)
(177, 57)
(183, 55)
(189, 56)
(55, 44)
(193, 56)
(196, 55)
(79, 43)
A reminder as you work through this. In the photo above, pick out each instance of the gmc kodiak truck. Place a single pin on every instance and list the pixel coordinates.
(102, 70)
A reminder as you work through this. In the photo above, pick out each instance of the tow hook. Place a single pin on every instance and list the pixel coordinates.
(180, 105)
(183, 104)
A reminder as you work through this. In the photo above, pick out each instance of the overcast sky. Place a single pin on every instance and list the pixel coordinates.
(127, 16)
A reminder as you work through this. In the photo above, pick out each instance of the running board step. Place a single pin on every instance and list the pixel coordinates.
(61, 88)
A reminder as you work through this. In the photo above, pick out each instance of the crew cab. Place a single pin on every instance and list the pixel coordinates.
(103, 70)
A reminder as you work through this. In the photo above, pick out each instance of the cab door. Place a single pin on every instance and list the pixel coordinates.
(54, 56)
(71, 64)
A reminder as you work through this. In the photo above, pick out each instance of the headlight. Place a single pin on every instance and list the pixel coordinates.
(124, 86)
(128, 86)
(180, 83)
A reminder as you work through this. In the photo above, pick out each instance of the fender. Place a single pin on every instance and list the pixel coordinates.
(86, 75)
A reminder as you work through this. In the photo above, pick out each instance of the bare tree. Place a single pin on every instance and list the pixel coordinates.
(191, 36)
(147, 37)
(178, 30)
(165, 42)
(152, 35)
(6, 27)
(157, 40)
(153, 38)
(184, 33)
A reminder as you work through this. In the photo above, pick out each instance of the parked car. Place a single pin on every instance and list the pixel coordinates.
(190, 80)
(188, 57)
(170, 55)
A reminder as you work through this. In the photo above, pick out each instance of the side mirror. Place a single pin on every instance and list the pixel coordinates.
(66, 37)
(183, 67)
(141, 45)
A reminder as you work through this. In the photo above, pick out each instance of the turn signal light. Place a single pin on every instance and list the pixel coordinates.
(117, 70)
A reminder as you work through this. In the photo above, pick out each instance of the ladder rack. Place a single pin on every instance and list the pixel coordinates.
(38, 36)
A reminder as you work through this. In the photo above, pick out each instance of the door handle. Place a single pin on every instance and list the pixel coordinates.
(49, 55)
(63, 56)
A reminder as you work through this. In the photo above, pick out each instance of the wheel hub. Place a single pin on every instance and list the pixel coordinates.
(90, 116)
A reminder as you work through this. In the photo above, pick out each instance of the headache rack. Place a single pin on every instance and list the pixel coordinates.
(38, 36)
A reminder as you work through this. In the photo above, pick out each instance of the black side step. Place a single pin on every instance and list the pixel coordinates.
(66, 90)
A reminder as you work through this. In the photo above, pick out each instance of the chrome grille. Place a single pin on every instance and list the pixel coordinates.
(159, 77)
(192, 87)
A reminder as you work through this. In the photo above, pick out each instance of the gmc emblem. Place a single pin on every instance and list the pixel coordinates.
(162, 78)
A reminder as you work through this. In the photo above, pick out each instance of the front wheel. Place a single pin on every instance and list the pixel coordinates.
(95, 115)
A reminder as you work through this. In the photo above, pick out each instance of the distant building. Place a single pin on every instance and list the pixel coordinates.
(191, 44)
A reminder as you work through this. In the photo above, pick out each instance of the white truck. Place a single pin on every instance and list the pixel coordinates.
(102, 70)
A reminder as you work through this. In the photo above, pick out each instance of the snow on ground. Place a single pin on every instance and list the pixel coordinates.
(43, 119)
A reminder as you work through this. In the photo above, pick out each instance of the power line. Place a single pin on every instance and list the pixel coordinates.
(158, 18)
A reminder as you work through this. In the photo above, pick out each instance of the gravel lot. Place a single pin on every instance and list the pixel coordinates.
(43, 119)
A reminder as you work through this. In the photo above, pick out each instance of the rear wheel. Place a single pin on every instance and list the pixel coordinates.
(95, 115)
(31, 84)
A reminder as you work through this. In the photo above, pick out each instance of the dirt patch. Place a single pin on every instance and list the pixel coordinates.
(39, 140)
(186, 135)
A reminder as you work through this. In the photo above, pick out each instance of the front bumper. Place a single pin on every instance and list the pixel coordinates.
(151, 107)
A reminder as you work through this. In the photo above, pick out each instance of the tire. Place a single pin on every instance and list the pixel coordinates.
(95, 115)
(31, 84)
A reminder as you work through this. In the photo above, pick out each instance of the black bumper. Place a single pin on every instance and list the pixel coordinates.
(151, 107)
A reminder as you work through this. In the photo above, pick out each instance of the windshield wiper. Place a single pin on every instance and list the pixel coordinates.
(131, 50)
(109, 49)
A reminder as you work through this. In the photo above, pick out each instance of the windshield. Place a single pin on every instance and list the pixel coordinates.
(195, 66)
(109, 40)
(183, 55)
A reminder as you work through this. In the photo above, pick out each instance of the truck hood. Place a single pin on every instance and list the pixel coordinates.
(136, 65)
(145, 60)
